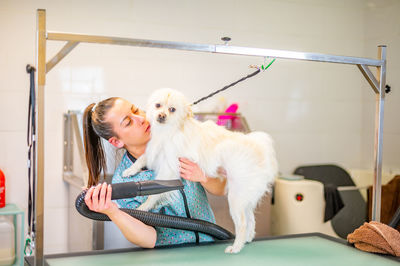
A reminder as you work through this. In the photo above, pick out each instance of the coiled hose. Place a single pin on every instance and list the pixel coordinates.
(133, 189)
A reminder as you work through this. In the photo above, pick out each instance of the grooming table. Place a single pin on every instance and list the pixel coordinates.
(304, 249)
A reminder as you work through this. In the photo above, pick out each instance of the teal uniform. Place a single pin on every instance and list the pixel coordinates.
(196, 198)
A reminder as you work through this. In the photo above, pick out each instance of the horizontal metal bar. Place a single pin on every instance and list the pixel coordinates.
(78, 181)
(224, 49)
(369, 77)
(297, 55)
(217, 114)
(74, 180)
(350, 188)
(130, 42)
(68, 47)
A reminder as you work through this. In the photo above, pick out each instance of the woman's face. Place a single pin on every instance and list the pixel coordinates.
(129, 124)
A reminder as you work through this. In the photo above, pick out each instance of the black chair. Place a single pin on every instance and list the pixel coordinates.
(354, 212)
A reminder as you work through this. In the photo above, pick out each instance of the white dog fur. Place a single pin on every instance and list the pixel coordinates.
(249, 160)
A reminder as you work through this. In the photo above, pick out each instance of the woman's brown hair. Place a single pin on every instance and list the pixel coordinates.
(94, 128)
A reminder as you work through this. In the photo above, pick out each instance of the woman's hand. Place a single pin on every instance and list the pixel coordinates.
(191, 171)
(98, 199)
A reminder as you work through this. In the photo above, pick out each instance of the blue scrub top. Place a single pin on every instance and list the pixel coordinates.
(196, 198)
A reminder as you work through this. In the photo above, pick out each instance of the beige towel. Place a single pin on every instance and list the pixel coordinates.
(376, 237)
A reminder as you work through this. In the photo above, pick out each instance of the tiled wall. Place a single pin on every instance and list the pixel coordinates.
(317, 113)
(382, 26)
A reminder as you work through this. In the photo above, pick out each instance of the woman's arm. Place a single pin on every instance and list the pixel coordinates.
(98, 199)
(192, 172)
(214, 185)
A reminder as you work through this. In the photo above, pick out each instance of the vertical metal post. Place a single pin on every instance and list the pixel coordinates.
(379, 108)
(41, 80)
(68, 144)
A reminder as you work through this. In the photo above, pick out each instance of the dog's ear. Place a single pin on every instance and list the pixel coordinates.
(189, 112)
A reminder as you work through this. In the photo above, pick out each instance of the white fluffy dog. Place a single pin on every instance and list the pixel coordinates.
(249, 160)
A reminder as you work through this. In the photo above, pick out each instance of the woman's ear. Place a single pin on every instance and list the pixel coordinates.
(116, 142)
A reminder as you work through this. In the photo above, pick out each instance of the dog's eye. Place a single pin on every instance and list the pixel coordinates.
(158, 105)
(172, 109)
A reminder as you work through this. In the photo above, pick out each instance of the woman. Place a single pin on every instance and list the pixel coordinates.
(124, 126)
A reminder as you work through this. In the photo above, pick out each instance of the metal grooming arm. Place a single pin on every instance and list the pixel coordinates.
(73, 135)
(378, 85)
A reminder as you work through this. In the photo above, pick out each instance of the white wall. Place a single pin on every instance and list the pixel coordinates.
(317, 113)
(382, 26)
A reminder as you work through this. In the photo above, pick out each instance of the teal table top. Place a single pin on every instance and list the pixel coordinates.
(10, 209)
(308, 249)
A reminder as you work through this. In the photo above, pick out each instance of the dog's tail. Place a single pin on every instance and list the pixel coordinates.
(266, 142)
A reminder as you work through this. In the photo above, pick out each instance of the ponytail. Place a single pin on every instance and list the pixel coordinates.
(95, 128)
(94, 153)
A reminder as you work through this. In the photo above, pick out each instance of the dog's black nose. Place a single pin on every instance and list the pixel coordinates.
(161, 117)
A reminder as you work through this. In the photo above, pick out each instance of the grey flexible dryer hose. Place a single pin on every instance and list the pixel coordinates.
(133, 189)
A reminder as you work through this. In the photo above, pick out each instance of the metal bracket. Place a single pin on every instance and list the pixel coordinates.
(369, 77)
(68, 47)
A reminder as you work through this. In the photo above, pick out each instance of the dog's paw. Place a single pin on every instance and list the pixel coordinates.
(129, 172)
(233, 249)
(250, 236)
(144, 207)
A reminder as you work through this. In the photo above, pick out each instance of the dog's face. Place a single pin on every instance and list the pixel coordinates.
(167, 107)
